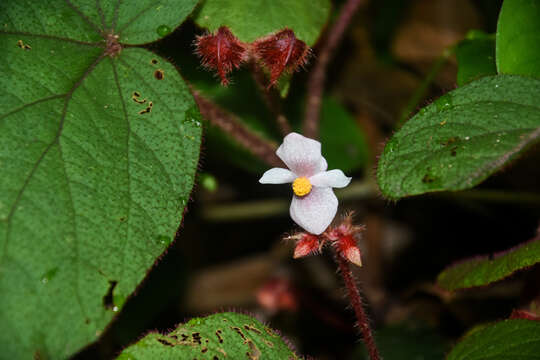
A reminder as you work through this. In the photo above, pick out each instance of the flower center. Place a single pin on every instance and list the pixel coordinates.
(301, 186)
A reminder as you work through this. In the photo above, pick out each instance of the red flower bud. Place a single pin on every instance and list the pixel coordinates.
(307, 245)
(281, 52)
(347, 247)
(277, 294)
(222, 52)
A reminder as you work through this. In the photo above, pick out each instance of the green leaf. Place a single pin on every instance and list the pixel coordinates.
(343, 143)
(93, 176)
(484, 270)
(220, 336)
(249, 20)
(508, 339)
(462, 138)
(518, 36)
(476, 57)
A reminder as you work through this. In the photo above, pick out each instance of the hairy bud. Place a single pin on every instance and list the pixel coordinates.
(281, 52)
(221, 52)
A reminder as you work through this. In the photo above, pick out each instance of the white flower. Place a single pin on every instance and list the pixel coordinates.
(314, 204)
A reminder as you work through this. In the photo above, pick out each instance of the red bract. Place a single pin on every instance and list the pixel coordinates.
(349, 250)
(307, 245)
(221, 52)
(281, 52)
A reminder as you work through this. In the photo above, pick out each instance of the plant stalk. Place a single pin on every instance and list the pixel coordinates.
(356, 302)
(316, 81)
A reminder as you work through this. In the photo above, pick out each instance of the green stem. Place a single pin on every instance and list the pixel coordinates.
(424, 86)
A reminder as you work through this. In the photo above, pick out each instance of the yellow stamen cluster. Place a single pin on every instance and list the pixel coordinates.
(301, 186)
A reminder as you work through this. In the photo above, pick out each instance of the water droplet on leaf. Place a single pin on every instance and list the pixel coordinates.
(163, 30)
(163, 240)
(49, 275)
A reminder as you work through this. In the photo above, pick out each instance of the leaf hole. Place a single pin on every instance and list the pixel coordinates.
(23, 46)
(136, 96)
(159, 74)
(218, 334)
(108, 298)
(239, 332)
(252, 328)
(197, 338)
(147, 110)
(165, 342)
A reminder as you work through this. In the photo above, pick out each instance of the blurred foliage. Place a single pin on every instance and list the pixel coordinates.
(397, 58)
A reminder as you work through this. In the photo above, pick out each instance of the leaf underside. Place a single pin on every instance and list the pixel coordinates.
(509, 339)
(219, 336)
(462, 138)
(97, 155)
(484, 270)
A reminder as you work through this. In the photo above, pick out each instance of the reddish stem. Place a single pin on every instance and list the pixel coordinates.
(271, 99)
(318, 76)
(263, 149)
(356, 302)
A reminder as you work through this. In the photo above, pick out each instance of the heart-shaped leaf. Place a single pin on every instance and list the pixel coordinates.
(219, 336)
(98, 149)
(462, 138)
(249, 20)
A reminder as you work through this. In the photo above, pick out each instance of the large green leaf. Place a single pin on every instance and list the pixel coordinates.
(509, 339)
(97, 155)
(249, 19)
(518, 36)
(483, 270)
(476, 57)
(462, 138)
(219, 336)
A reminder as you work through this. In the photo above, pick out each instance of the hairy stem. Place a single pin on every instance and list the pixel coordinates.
(318, 76)
(356, 302)
(271, 99)
(261, 148)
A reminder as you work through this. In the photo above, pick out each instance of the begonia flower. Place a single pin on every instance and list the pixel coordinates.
(314, 203)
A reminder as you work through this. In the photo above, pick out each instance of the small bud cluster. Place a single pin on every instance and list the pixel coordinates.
(276, 294)
(342, 237)
(279, 52)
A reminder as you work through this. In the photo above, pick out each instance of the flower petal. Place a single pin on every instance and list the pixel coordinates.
(315, 211)
(333, 178)
(301, 154)
(323, 165)
(277, 176)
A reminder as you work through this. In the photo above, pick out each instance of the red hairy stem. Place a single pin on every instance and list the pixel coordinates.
(263, 149)
(356, 302)
(271, 99)
(318, 76)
